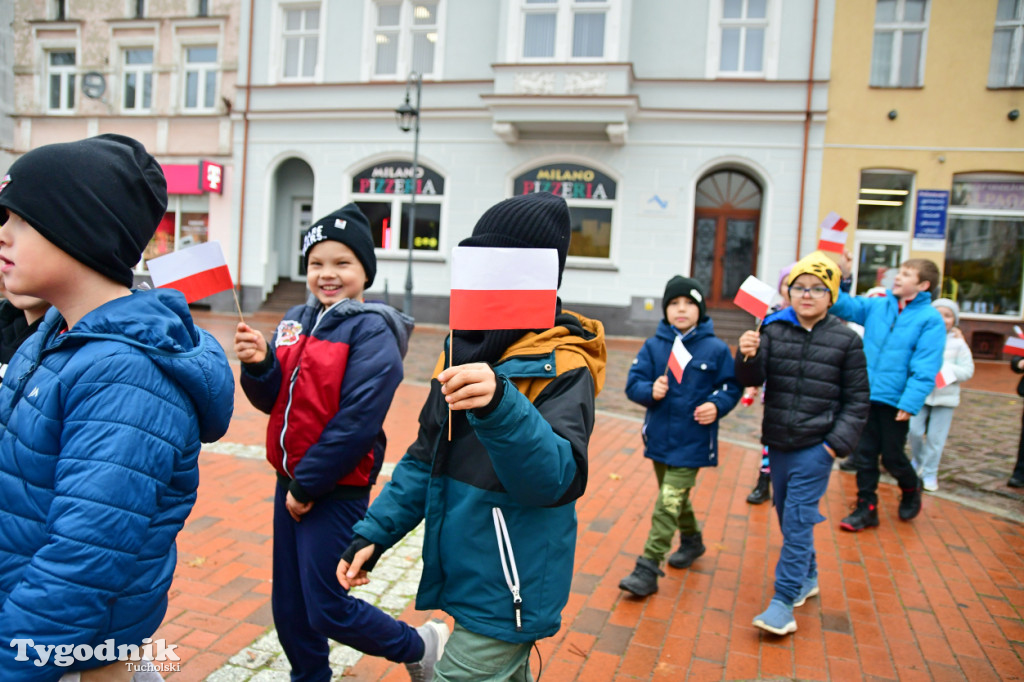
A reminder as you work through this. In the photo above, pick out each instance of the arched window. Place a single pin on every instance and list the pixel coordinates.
(383, 191)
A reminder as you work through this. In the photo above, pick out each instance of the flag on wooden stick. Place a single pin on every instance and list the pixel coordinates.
(755, 296)
(502, 288)
(198, 271)
(678, 359)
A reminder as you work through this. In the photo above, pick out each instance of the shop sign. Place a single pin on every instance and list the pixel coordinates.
(1000, 196)
(395, 177)
(930, 220)
(211, 177)
(569, 181)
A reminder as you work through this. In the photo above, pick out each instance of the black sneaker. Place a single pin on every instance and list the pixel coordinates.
(643, 580)
(910, 503)
(1015, 482)
(690, 547)
(864, 516)
(762, 492)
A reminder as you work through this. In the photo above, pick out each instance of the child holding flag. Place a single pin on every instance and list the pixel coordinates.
(499, 496)
(327, 380)
(815, 405)
(684, 376)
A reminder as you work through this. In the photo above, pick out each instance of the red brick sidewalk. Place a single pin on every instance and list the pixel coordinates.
(940, 598)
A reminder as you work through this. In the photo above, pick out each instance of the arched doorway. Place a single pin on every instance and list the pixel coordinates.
(727, 215)
(292, 214)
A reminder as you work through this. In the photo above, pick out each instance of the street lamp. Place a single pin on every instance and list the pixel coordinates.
(408, 118)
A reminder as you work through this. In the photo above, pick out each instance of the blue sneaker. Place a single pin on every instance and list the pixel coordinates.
(777, 618)
(809, 589)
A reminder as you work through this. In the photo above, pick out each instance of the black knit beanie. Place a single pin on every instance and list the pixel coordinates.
(99, 200)
(538, 220)
(349, 226)
(683, 286)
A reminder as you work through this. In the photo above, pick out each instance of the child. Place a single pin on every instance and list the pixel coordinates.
(904, 337)
(101, 414)
(327, 380)
(499, 497)
(20, 317)
(1017, 477)
(936, 415)
(680, 429)
(816, 403)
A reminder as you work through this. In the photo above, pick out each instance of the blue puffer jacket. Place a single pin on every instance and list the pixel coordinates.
(100, 429)
(671, 435)
(904, 350)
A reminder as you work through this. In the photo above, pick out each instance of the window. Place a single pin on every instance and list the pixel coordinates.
(138, 80)
(382, 192)
(405, 37)
(202, 8)
(897, 59)
(186, 223)
(590, 195)
(744, 25)
(59, 10)
(61, 81)
(1006, 68)
(200, 78)
(564, 29)
(301, 42)
(139, 8)
(884, 200)
(985, 243)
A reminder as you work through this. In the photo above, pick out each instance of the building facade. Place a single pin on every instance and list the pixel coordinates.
(685, 137)
(161, 71)
(924, 150)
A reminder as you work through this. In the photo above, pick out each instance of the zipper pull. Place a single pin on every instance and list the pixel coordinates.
(517, 605)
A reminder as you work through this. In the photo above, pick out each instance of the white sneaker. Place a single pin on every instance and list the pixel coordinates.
(930, 484)
(434, 633)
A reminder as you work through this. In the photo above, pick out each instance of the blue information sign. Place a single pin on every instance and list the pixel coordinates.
(930, 216)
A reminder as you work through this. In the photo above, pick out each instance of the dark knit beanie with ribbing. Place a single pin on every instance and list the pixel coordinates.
(349, 226)
(683, 286)
(539, 220)
(99, 200)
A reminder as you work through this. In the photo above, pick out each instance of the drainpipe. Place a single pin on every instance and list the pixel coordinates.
(245, 144)
(807, 130)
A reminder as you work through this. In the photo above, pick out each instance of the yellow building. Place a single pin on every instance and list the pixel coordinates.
(924, 149)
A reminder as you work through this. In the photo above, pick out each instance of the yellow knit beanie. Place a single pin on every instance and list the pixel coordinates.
(822, 267)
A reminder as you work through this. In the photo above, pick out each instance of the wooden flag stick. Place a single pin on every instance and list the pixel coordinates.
(238, 306)
(451, 338)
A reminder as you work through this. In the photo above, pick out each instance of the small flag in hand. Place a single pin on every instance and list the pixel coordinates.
(945, 377)
(1014, 346)
(501, 288)
(755, 296)
(833, 222)
(678, 359)
(198, 271)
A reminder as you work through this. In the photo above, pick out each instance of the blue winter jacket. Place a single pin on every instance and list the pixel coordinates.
(903, 350)
(671, 435)
(100, 430)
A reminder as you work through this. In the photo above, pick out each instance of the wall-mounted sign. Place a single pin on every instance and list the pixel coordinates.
(395, 177)
(930, 220)
(93, 84)
(566, 180)
(211, 177)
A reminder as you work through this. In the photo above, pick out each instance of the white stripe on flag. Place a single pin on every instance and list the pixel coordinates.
(184, 263)
(834, 236)
(499, 269)
(833, 221)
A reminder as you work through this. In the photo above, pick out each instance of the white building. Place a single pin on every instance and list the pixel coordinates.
(686, 137)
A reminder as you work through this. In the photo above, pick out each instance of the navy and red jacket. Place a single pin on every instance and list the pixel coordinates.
(327, 383)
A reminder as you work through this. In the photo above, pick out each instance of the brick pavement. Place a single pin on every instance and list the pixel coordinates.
(941, 598)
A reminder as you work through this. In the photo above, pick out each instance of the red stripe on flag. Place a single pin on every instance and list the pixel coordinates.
(502, 309)
(202, 284)
(1014, 346)
(834, 247)
(675, 367)
(751, 304)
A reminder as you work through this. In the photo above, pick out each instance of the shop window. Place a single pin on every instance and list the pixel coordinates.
(186, 223)
(1006, 67)
(897, 57)
(590, 195)
(383, 192)
(405, 37)
(884, 201)
(564, 29)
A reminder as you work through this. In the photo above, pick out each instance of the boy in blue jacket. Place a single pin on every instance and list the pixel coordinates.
(327, 380)
(102, 413)
(680, 429)
(499, 498)
(904, 340)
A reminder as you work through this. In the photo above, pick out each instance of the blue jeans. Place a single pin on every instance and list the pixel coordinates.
(799, 479)
(469, 657)
(928, 431)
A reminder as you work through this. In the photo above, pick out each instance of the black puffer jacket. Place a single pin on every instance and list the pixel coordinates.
(817, 383)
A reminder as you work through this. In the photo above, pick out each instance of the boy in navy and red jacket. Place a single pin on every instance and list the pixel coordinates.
(327, 380)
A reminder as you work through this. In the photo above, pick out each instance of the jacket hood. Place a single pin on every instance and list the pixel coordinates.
(572, 333)
(700, 330)
(158, 323)
(400, 324)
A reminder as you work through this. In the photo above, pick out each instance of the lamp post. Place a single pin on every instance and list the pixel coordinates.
(408, 118)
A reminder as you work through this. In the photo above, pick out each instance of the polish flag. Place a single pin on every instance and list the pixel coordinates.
(945, 377)
(832, 240)
(755, 297)
(198, 271)
(497, 288)
(834, 222)
(1014, 346)
(678, 359)
(1017, 331)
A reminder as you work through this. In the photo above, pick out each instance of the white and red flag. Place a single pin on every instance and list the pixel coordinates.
(755, 296)
(198, 271)
(833, 221)
(1014, 346)
(1017, 331)
(678, 359)
(945, 377)
(833, 238)
(498, 288)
